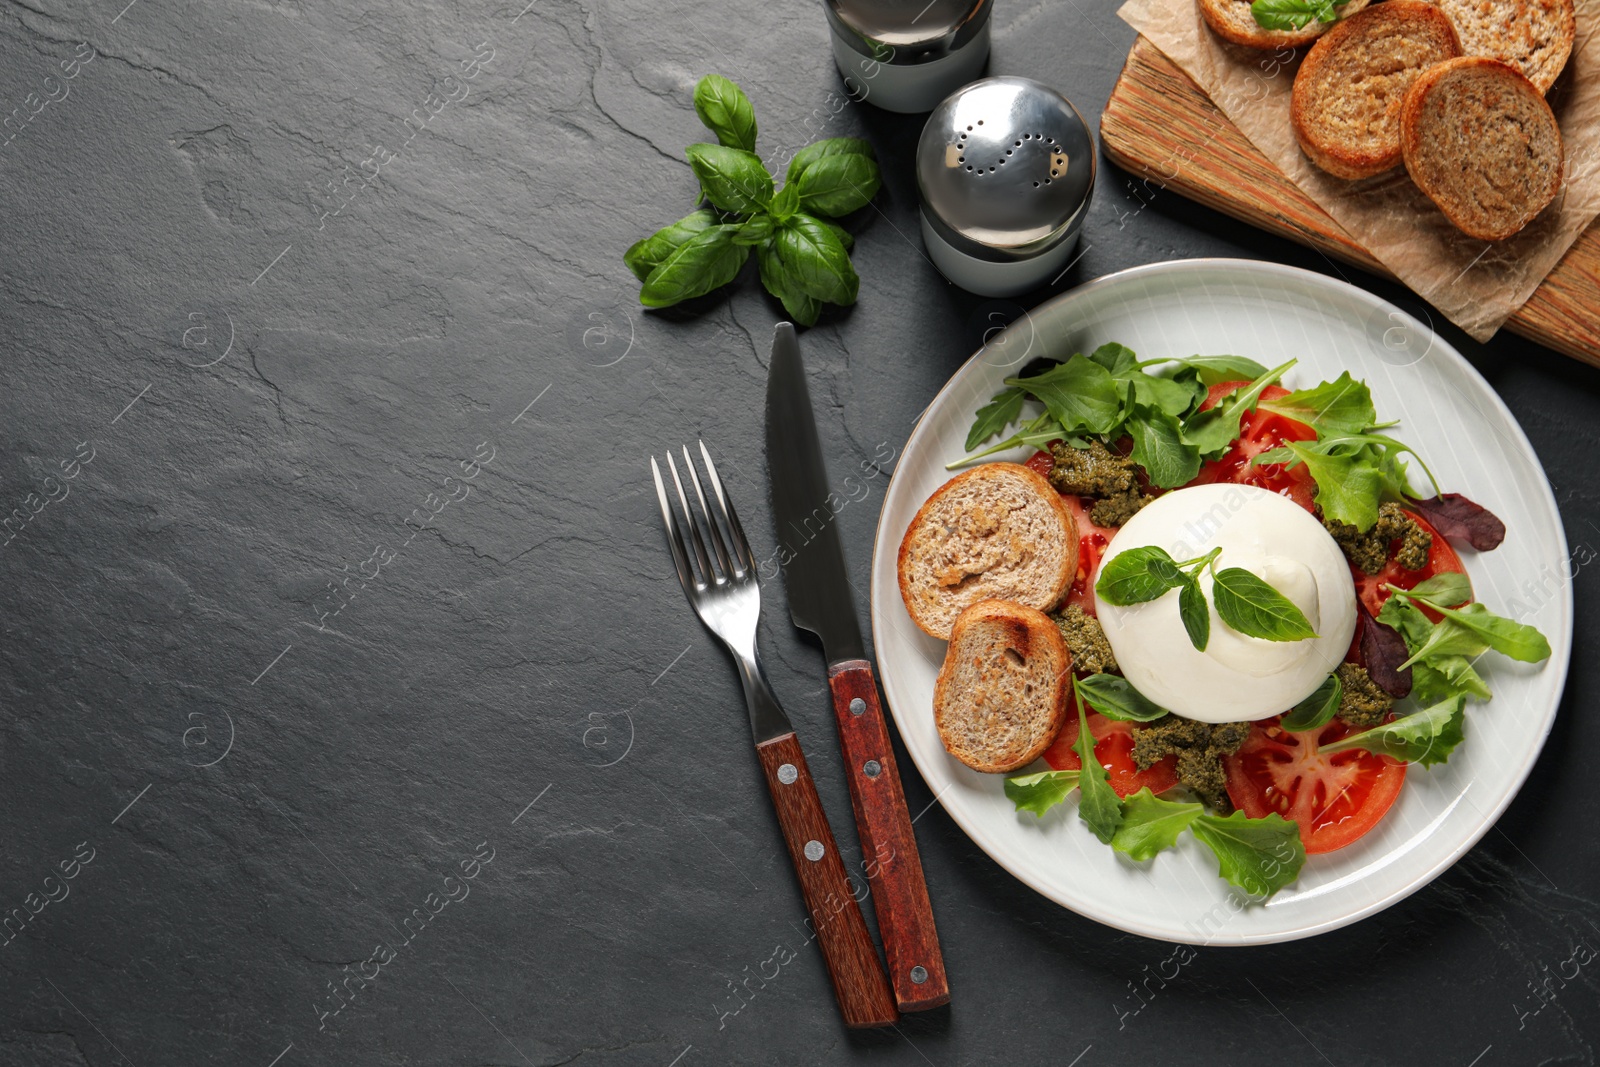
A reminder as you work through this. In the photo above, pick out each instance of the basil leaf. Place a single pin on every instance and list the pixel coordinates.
(1159, 448)
(648, 254)
(1004, 408)
(1316, 710)
(1098, 805)
(785, 202)
(1260, 856)
(1425, 737)
(1285, 14)
(1115, 697)
(707, 260)
(1517, 640)
(1080, 393)
(1255, 609)
(837, 184)
(755, 229)
(1343, 405)
(1214, 370)
(1040, 792)
(1128, 578)
(817, 261)
(1446, 589)
(775, 275)
(845, 237)
(1151, 825)
(726, 112)
(732, 178)
(832, 146)
(1195, 612)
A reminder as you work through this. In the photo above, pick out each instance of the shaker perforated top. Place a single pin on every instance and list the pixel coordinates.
(1005, 168)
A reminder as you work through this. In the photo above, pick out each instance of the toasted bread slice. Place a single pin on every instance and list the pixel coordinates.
(1232, 21)
(1001, 696)
(997, 531)
(1480, 140)
(1535, 36)
(1347, 95)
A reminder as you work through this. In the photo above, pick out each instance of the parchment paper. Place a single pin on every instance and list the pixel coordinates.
(1476, 284)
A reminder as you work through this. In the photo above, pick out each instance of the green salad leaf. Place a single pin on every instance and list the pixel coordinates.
(1151, 825)
(1316, 710)
(1080, 394)
(1425, 737)
(1342, 406)
(1040, 792)
(1260, 856)
(1098, 805)
(1000, 412)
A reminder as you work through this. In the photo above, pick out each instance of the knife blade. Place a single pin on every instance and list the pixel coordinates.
(822, 601)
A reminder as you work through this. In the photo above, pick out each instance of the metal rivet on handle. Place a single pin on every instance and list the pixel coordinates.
(787, 774)
(873, 768)
(919, 974)
(814, 850)
(858, 706)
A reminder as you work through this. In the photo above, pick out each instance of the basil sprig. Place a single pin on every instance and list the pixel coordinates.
(1294, 14)
(1318, 709)
(804, 259)
(1243, 600)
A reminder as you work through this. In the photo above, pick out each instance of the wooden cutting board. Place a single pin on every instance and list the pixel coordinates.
(1156, 120)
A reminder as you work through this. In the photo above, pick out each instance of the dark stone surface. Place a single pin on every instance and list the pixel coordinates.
(531, 647)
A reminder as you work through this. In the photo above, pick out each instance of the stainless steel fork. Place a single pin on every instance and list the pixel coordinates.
(722, 587)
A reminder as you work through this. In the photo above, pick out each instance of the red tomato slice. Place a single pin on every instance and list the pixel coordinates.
(1113, 747)
(1442, 559)
(1260, 431)
(1092, 540)
(1335, 799)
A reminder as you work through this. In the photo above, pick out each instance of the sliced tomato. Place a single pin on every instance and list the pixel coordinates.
(1335, 799)
(1092, 539)
(1261, 431)
(1442, 559)
(1113, 747)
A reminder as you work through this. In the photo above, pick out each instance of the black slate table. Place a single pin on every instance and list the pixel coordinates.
(347, 676)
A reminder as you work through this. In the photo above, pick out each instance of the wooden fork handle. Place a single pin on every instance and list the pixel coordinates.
(859, 983)
(894, 866)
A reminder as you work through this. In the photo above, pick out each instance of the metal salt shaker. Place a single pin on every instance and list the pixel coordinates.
(907, 55)
(1005, 168)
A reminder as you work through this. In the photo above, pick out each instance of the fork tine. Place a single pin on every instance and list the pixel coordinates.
(741, 547)
(680, 559)
(729, 567)
(706, 568)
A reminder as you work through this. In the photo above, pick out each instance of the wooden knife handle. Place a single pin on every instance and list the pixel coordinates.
(858, 980)
(894, 867)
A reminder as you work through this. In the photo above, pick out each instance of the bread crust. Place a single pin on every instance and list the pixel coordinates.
(1447, 195)
(1322, 86)
(1226, 22)
(1036, 638)
(935, 612)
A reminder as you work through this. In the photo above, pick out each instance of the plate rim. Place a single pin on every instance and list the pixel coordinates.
(1561, 656)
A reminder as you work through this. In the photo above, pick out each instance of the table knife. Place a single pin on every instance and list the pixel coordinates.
(821, 601)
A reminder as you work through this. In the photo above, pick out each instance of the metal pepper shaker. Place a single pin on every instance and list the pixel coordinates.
(907, 55)
(1005, 168)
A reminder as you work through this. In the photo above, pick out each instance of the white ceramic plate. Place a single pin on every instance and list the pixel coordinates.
(1447, 412)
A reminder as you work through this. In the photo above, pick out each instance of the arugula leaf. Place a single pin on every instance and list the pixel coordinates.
(1115, 697)
(1098, 805)
(1214, 370)
(1040, 431)
(646, 255)
(1080, 394)
(1442, 674)
(702, 263)
(726, 112)
(1151, 825)
(1174, 396)
(1517, 640)
(832, 146)
(1294, 14)
(779, 281)
(1349, 487)
(1252, 607)
(1316, 710)
(1004, 408)
(817, 262)
(1159, 448)
(1341, 406)
(1040, 792)
(1260, 856)
(1424, 737)
(837, 184)
(732, 178)
(1447, 587)
(1137, 576)
(1195, 612)
(1213, 430)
